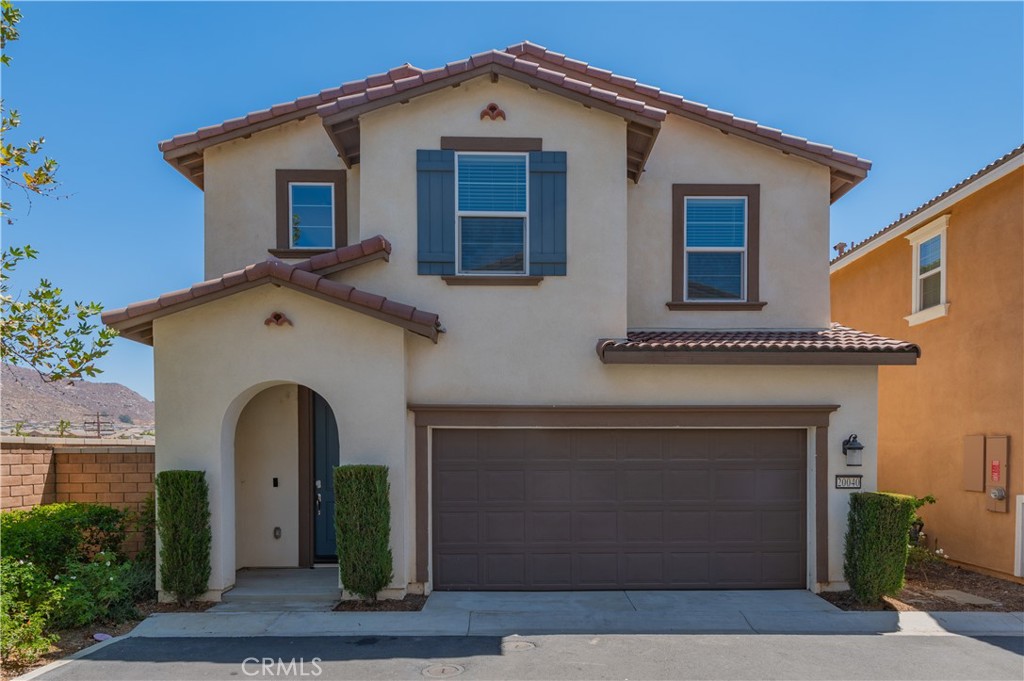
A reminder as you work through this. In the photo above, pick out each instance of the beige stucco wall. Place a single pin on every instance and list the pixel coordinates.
(266, 447)
(210, 361)
(504, 345)
(240, 192)
(794, 222)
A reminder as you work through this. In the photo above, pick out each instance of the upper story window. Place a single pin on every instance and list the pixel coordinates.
(715, 230)
(491, 210)
(492, 213)
(715, 247)
(311, 212)
(928, 294)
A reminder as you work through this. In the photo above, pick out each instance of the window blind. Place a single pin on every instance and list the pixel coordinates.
(714, 222)
(492, 183)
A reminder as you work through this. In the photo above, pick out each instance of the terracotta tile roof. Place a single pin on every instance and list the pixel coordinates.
(478, 61)
(835, 339)
(526, 50)
(307, 103)
(135, 320)
(909, 217)
(579, 78)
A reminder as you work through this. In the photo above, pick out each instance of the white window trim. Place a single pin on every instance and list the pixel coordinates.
(715, 249)
(291, 215)
(936, 227)
(524, 214)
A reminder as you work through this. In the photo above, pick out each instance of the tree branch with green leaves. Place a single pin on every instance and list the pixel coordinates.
(61, 341)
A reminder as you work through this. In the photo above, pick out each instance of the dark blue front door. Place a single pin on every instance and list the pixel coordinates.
(325, 458)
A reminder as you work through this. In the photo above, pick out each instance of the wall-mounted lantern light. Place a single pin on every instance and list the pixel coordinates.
(852, 448)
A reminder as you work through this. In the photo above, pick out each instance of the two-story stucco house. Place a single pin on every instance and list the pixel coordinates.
(948, 277)
(584, 322)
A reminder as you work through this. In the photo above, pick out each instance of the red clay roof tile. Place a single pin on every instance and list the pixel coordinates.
(301, 276)
(836, 338)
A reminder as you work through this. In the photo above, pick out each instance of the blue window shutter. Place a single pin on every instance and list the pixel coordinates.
(435, 210)
(547, 213)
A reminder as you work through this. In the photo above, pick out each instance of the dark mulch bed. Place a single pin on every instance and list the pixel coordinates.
(925, 577)
(411, 603)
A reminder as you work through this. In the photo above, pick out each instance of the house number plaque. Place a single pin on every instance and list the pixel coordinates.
(848, 481)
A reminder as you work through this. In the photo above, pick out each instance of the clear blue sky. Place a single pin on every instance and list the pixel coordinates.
(928, 91)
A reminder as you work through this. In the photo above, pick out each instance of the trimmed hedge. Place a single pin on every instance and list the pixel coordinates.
(362, 519)
(53, 534)
(183, 521)
(876, 543)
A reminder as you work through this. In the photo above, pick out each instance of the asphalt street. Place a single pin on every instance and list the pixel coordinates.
(563, 657)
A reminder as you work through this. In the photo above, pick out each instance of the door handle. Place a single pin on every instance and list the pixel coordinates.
(319, 503)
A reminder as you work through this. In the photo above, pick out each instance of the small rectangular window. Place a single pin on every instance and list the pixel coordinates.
(929, 272)
(715, 230)
(312, 215)
(492, 208)
(311, 212)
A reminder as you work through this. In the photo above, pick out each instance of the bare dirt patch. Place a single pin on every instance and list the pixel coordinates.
(923, 579)
(411, 603)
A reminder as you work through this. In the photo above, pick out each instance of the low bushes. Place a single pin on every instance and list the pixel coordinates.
(51, 535)
(61, 568)
(26, 602)
(876, 543)
(362, 520)
(183, 520)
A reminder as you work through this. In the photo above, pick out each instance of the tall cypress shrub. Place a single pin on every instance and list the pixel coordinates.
(876, 543)
(183, 522)
(362, 519)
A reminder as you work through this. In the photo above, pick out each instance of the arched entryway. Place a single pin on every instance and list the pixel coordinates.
(286, 445)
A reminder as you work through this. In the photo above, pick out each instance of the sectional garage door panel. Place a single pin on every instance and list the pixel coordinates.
(537, 509)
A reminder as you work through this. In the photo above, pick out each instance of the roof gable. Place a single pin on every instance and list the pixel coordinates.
(933, 207)
(643, 106)
(308, 276)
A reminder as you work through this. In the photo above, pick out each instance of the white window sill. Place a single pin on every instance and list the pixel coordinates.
(933, 312)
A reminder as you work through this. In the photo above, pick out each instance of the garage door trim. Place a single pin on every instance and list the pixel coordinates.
(588, 416)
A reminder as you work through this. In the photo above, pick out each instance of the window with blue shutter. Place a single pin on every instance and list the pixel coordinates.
(490, 213)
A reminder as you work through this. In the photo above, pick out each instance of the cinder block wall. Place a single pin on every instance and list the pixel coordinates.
(36, 471)
(27, 476)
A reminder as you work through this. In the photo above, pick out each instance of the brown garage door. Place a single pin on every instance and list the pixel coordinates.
(606, 509)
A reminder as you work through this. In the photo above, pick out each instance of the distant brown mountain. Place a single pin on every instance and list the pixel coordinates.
(26, 398)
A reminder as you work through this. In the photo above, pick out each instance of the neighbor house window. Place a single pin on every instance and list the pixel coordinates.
(929, 271)
(491, 213)
(311, 212)
(715, 247)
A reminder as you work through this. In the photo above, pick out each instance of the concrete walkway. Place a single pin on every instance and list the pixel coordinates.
(593, 612)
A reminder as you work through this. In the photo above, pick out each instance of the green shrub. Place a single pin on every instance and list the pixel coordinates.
(143, 575)
(50, 535)
(362, 519)
(26, 602)
(876, 543)
(183, 520)
(97, 591)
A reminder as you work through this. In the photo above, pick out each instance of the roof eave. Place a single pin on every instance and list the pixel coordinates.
(933, 208)
(611, 355)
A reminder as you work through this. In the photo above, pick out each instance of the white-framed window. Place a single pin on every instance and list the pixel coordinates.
(928, 294)
(715, 248)
(311, 207)
(492, 206)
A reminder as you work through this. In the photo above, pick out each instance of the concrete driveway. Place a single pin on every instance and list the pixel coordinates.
(588, 612)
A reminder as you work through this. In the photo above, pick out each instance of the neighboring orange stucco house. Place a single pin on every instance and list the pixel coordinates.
(949, 278)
